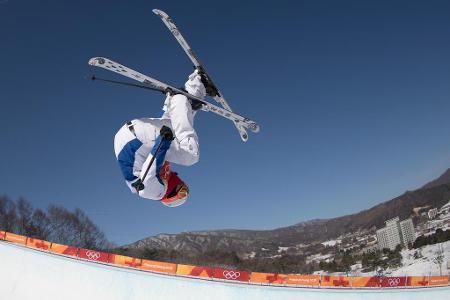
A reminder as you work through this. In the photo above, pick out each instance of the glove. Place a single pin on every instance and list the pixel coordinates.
(194, 85)
(166, 133)
(211, 90)
(138, 185)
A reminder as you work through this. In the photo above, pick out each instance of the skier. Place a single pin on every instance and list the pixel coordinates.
(159, 142)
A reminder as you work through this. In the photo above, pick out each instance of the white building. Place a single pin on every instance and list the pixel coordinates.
(432, 213)
(395, 233)
(389, 236)
(407, 232)
(445, 209)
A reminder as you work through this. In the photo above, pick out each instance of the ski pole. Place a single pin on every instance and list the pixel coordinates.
(152, 160)
(123, 83)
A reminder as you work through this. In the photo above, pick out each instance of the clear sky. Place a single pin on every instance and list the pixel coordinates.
(353, 98)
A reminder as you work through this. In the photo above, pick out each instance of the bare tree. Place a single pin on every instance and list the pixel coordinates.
(8, 218)
(75, 228)
(57, 225)
(41, 227)
(88, 233)
(24, 214)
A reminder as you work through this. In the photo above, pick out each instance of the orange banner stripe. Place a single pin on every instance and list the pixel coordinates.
(419, 280)
(365, 281)
(334, 281)
(63, 249)
(125, 260)
(39, 244)
(268, 278)
(16, 239)
(197, 271)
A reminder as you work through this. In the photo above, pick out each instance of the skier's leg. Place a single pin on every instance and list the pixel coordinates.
(185, 147)
(127, 147)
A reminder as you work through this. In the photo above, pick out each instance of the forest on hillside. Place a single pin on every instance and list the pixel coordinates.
(55, 224)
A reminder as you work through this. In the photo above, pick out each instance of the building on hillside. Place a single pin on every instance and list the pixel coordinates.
(408, 233)
(445, 209)
(432, 213)
(389, 237)
(395, 233)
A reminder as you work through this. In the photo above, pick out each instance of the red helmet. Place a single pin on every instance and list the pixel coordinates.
(177, 191)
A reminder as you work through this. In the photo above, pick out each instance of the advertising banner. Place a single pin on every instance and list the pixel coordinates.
(231, 274)
(365, 281)
(335, 281)
(395, 281)
(16, 239)
(64, 249)
(38, 244)
(125, 260)
(158, 266)
(439, 280)
(419, 280)
(308, 280)
(93, 255)
(197, 271)
(267, 278)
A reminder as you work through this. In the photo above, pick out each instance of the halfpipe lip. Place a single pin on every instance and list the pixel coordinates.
(118, 268)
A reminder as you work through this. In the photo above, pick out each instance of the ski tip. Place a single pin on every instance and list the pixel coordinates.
(160, 13)
(254, 127)
(95, 61)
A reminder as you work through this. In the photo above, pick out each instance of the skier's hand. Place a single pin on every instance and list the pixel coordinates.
(166, 133)
(138, 185)
(209, 87)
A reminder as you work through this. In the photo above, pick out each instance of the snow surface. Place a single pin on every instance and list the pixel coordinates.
(282, 249)
(426, 264)
(319, 258)
(423, 266)
(27, 274)
(331, 243)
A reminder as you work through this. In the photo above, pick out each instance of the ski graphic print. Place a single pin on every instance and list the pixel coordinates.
(110, 65)
(217, 95)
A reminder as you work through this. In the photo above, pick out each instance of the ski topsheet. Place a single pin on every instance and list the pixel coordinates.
(163, 87)
(198, 65)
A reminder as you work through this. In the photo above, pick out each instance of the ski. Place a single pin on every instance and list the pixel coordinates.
(216, 94)
(155, 84)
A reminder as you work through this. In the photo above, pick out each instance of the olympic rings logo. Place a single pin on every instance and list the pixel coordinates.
(231, 275)
(394, 281)
(93, 255)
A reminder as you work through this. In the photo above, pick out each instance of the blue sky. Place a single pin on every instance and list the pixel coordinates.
(352, 97)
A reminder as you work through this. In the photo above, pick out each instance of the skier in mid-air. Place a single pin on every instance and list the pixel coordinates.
(157, 142)
(145, 147)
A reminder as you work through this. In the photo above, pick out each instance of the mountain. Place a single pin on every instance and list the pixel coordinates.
(434, 194)
(443, 179)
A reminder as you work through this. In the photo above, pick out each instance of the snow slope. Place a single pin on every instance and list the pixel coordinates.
(27, 274)
(425, 265)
